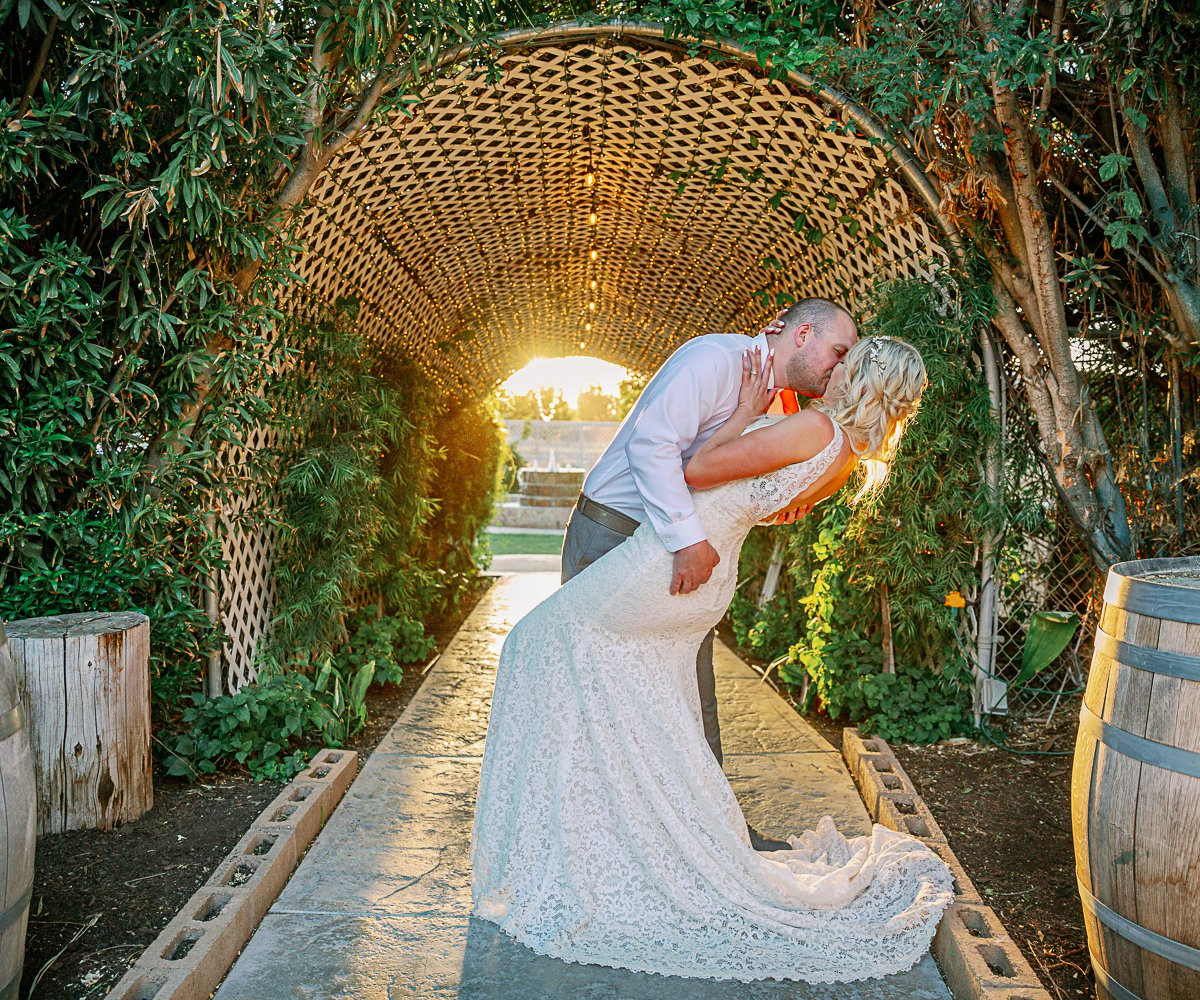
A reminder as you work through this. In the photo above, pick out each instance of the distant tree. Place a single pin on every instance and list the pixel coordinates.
(627, 394)
(544, 403)
(596, 404)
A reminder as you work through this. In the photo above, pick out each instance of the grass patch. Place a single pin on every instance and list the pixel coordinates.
(524, 545)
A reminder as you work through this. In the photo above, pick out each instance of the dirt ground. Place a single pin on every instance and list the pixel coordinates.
(1008, 820)
(100, 897)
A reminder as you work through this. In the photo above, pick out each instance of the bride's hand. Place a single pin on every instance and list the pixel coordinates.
(755, 396)
(776, 325)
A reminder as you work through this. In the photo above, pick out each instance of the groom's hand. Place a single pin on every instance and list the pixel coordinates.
(792, 514)
(693, 566)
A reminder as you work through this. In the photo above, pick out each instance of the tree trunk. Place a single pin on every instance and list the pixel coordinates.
(1031, 318)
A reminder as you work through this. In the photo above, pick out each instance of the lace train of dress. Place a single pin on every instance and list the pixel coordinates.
(605, 831)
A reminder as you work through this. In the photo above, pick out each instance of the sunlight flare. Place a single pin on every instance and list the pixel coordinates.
(569, 375)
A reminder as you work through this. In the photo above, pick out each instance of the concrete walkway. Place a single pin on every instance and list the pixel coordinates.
(379, 908)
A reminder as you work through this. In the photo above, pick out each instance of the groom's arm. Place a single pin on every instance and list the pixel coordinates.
(670, 423)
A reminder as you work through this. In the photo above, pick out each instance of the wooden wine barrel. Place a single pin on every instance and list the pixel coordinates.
(18, 818)
(1135, 789)
(85, 682)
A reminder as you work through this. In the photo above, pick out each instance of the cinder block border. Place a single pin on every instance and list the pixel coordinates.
(978, 960)
(191, 956)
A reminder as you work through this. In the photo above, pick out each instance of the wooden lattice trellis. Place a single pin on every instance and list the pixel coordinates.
(600, 191)
(247, 583)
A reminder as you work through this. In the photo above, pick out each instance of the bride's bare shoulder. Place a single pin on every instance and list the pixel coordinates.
(809, 432)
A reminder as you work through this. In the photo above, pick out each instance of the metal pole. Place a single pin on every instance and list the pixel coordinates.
(214, 680)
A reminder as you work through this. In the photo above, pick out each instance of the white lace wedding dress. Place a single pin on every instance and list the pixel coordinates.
(606, 832)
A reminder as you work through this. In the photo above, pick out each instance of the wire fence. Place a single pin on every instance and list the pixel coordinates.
(1048, 569)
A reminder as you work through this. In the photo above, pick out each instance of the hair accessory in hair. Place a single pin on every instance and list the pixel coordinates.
(873, 354)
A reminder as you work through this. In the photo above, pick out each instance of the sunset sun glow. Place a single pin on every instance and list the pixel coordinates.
(570, 375)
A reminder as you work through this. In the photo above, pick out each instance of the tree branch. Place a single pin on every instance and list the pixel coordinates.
(1050, 320)
(1056, 23)
(1170, 131)
(39, 67)
(383, 81)
(1075, 200)
(1102, 520)
(1152, 183)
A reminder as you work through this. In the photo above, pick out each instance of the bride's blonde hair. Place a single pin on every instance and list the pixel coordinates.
(882, 392)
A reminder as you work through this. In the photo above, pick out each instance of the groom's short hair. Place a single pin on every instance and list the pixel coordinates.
(820, 314)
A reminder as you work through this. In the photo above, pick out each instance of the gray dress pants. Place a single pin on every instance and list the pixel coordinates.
(585, 542)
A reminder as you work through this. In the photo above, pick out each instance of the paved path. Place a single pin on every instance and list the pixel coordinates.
(379, 906)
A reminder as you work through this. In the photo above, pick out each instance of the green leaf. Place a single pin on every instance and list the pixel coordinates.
(1113, 164)
(1048, 635)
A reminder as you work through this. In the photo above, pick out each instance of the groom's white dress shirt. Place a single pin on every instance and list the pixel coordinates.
(690, 396)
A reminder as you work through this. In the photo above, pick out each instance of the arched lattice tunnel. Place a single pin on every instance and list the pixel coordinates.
(597, 190)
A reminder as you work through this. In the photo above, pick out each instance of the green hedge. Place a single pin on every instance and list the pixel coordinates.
(918, 538)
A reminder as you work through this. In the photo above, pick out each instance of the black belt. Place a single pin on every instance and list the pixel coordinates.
(614, 519)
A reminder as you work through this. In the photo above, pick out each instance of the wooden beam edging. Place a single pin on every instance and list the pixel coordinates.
(977, 958)
(196, 950)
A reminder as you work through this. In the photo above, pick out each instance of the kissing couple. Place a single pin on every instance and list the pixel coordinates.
(605, 829)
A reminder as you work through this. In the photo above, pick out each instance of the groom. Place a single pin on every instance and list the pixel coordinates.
(640, 474)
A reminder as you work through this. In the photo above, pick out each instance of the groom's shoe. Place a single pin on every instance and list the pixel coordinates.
(761, 843)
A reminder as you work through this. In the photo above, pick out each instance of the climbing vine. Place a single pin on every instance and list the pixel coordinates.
(908, 549)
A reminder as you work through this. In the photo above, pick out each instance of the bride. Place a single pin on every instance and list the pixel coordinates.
(605, 830)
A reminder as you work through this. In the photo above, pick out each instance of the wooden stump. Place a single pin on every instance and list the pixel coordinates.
(18, 812)
(85, 684)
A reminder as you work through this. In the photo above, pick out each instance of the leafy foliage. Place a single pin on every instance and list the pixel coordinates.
(471, 438)
(150, 158)
(352, 468)
(266, 726)
(255, 728)
(917, 539)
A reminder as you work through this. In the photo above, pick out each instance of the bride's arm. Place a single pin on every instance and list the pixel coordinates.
(729, 454)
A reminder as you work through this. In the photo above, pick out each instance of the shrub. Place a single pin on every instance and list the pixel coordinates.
(256, 728)
(917, 539)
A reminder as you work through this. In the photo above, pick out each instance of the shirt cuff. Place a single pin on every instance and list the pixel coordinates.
(680, 534)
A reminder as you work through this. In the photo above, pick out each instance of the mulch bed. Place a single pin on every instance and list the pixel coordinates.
(100, 897)
(1008, 819)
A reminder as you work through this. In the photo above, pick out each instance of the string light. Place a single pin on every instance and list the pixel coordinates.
(644, 247)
